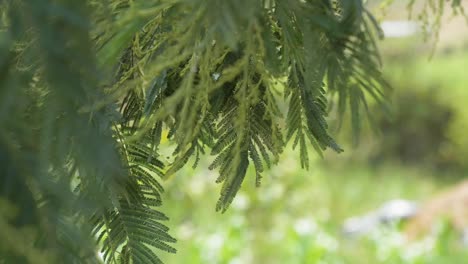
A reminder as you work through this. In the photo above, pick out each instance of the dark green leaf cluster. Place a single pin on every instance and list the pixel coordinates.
(131, 231)
(61, 166)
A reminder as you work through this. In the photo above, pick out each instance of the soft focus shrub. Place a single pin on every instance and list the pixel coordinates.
(416, 133)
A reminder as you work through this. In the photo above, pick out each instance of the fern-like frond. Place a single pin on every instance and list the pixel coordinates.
(133, 232)
(132, 229)
(255, 140)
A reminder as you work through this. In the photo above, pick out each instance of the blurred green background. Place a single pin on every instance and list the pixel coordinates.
(296, 216)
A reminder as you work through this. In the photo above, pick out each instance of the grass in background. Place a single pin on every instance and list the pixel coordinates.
(295, 217)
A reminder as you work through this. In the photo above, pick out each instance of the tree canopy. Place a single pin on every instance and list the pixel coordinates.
(88, 87)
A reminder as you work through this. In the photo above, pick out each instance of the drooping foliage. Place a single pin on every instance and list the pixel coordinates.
(88, 87)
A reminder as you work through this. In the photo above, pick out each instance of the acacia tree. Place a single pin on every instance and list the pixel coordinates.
(87, 87)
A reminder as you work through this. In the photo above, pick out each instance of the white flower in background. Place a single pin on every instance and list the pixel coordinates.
(326, 241)
(275, 191)
(212, 246)
(308, 227)
(305, 226)
(388, 242)
(196, 187)
(416, 250)
(215, 241)
(186, 231)
(400, 28)
(241, 202)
